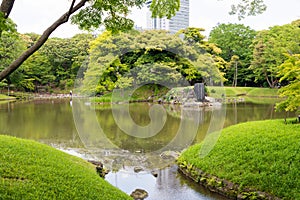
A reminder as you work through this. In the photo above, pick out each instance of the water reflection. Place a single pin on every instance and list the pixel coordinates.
(52, 122)
(166, 186)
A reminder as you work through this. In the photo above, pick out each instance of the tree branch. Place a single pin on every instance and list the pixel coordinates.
(63, 19)
(6, 7)
(71, 8)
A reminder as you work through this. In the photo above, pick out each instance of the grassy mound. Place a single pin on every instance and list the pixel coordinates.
(29, 170)
(261, 155)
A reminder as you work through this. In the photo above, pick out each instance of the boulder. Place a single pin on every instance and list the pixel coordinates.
(137, 169)
(139, 194)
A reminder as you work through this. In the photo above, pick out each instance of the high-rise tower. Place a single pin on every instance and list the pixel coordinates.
(177, 22)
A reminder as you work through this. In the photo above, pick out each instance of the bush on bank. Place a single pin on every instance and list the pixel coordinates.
(263, 156)
(30, 170)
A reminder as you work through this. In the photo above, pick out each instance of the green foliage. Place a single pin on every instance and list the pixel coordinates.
(158, 57)
(37, 70)
(290, 71)
(56, 64)
(192, 35)
(232, 39)
(11, 45)
(248, 8)
(113, 14)
(259, 155)
(269, 49)
(6, 24)
(29, 170)
(161, 8)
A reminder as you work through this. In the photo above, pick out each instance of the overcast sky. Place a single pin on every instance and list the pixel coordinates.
(36, 15)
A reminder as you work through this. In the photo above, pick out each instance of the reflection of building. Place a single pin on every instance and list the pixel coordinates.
(179, 21)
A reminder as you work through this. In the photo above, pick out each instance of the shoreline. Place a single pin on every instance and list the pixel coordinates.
(251, 160)
(221, 186)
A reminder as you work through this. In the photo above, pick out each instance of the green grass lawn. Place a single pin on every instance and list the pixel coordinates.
(264, 155)
(30, 170)
(5, 97)
(245, 91)
(140, 94)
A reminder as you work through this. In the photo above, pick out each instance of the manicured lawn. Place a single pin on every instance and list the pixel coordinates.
(141, 94)
(263, 155)
(245, 91)
(30, 170)
(5, 97)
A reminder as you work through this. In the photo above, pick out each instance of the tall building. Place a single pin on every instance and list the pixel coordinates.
(177, 22)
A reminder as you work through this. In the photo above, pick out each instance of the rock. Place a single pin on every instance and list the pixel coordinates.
(154, 173)
(137, 169)
(169, 155)
(97, 163)
(139, 194)
(160, 101)
(192, 104)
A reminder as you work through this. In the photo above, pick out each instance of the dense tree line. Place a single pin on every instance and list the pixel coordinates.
(55, 65)
(113, 14)
(234, 54)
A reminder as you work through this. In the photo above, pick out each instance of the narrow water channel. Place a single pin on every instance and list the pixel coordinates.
(91, 132)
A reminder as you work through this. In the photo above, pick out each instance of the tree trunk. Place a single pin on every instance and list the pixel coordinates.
(267, 78)
(236, 73)
(63, 19)
(6, 7)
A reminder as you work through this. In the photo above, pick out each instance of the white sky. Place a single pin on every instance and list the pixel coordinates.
(36, 15)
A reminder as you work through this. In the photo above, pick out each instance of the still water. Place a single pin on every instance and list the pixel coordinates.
(126, 136)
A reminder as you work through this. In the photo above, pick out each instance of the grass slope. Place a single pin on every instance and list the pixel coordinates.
(263, 155)
(29, 170)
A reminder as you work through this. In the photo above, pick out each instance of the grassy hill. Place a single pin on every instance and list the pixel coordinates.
(256, 156)
(30, 170)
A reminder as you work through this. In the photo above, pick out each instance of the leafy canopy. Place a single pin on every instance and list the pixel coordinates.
(269, 49)
(162, 57)
(290, 71)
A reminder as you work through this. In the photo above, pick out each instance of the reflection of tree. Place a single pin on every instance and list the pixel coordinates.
(244, 112)
(139, 113)
(46, 121)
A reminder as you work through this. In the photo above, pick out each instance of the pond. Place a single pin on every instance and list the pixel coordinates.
(136, 142)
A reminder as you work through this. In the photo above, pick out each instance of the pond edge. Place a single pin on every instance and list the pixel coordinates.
(221, 186)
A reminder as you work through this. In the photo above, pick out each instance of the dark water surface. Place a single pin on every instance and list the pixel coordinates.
(117, 136)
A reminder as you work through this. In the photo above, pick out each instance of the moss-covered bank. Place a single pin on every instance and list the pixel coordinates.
(29, 170)
(248, 158)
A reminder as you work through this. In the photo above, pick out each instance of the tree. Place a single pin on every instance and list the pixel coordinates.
(235, 40)
(208, 63)
(192, 35)
(92, 15)
(269, 49)
(126, 55)
(153, 56)
(89, 17)
(56, 63)
(234, 64)
(5, 9)
(290, 71)
(11, 45)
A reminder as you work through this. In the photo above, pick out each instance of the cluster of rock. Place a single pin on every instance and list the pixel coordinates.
(221, 186)
(189, 97)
